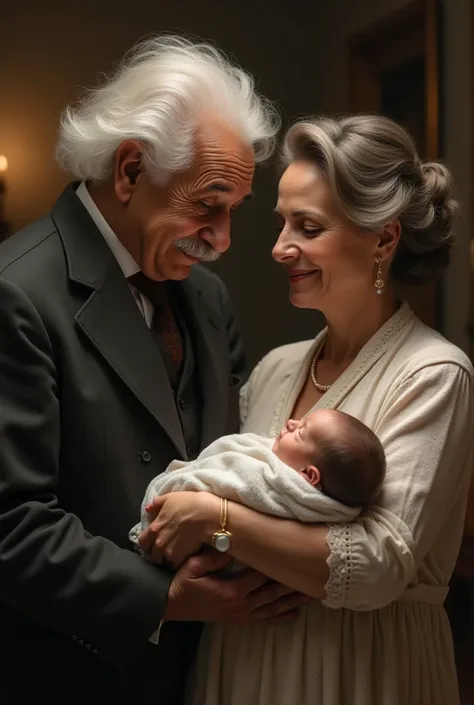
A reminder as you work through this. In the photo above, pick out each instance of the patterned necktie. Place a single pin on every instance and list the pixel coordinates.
(164, 322)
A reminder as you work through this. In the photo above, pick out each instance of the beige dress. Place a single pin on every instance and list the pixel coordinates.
(381, 636)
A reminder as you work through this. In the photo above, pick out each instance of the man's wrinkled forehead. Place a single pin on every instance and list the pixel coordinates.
(223, 160)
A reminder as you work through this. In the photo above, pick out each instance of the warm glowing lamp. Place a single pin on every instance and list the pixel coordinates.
(3, 168)
(3, 224)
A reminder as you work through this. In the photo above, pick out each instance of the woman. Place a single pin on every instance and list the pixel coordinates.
(359, 214)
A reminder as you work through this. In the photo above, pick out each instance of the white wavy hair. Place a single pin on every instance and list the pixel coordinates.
(158, 95)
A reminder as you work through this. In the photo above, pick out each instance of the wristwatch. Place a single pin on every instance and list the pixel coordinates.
(222, 539)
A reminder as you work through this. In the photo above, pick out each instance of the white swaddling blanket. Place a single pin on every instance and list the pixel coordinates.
(243, 468)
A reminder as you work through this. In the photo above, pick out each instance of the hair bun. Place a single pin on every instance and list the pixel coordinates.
(439, 186)
(439, 191)
(424, 251)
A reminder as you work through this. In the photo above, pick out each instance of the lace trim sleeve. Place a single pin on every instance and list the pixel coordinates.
(340, 563)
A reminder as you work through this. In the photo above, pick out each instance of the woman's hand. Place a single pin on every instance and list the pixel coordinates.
(180, 524)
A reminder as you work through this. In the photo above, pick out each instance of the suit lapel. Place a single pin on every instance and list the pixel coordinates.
(112, 322)
(110, 317)
(210, 350)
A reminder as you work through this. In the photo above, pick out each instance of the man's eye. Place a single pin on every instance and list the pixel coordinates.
(204, 205)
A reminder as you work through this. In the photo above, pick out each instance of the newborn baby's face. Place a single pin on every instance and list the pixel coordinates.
(298, 441)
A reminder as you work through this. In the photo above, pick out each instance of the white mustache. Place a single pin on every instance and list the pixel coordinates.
(195, 247)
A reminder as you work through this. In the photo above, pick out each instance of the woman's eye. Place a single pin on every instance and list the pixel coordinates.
(311, 230)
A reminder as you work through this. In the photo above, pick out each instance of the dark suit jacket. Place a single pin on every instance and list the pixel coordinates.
(87, 419)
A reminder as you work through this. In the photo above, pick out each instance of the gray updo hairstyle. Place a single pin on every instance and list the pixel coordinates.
(374, 172)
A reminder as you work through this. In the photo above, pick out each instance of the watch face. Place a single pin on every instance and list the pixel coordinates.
(222, 543)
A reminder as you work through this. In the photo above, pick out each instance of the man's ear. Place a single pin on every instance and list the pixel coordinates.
(312, 474)
(128, 161)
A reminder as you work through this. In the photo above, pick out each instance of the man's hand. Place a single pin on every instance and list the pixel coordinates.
(197, 595)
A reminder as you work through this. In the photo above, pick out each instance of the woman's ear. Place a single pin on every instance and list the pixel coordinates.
(128, 160)
(388, 240)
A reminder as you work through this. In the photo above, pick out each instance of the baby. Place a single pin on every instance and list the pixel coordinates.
(335, 453)
(324, 468)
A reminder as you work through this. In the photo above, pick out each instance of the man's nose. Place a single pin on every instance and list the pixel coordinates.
(218, 235)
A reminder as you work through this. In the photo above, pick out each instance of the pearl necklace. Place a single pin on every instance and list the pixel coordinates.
(320, 387)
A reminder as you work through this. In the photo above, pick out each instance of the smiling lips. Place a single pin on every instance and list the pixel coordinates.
(297, 275)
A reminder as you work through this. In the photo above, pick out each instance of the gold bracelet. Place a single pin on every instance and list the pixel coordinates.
(223, 514)
(222, 540)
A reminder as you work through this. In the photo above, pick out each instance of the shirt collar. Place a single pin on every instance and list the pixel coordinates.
(122, 255)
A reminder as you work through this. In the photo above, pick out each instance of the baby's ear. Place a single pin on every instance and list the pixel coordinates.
(312, 474)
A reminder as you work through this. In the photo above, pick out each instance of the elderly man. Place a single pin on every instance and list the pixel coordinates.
(118, 353)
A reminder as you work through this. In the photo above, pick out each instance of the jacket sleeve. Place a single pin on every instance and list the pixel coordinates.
(426, 427)
(82, 586)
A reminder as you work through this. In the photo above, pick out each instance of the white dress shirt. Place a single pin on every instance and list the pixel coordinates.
(128, 267)
(122, 255)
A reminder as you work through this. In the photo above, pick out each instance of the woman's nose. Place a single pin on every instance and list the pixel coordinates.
(291, 425)
(284, 250)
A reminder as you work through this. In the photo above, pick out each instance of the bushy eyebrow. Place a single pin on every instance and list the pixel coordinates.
(219, 187)
(223, 188)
